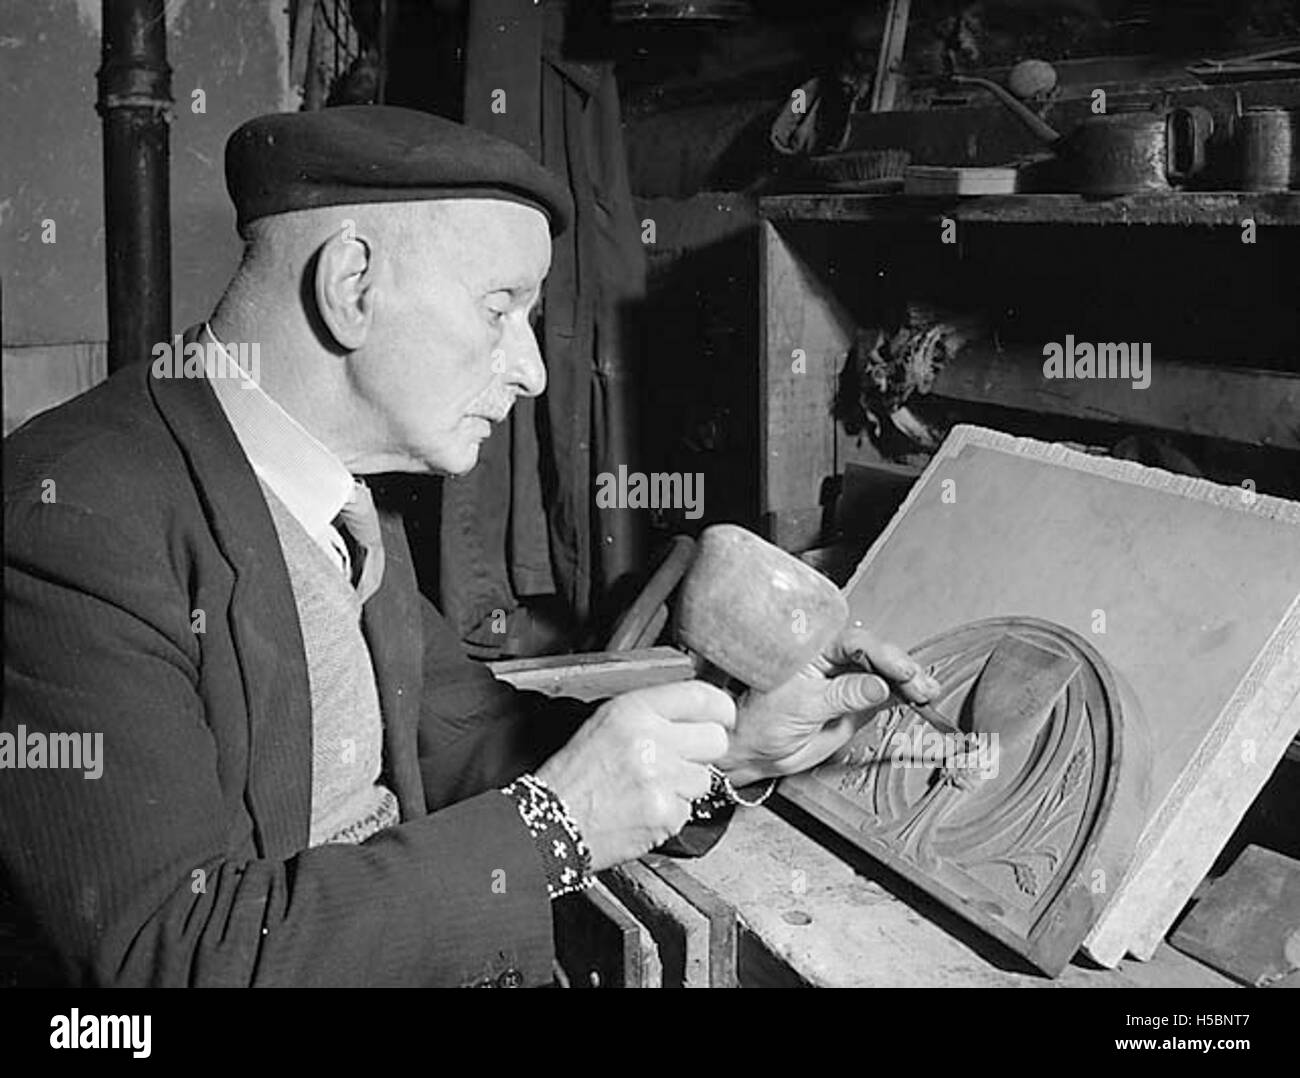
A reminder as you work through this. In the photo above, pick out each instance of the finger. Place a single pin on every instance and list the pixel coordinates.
(681, 817)
(861, 647)
(692, 782)
(689, 701)
(855, 692)
(700, 742)
(831, 738)
(677, 809)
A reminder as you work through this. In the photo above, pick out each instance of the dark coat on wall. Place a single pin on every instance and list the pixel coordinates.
(499, 543)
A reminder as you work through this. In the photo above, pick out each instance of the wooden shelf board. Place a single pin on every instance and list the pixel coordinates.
(1223, 208)
(1253, 407)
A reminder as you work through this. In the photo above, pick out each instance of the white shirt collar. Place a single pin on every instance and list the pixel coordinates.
(307, 477)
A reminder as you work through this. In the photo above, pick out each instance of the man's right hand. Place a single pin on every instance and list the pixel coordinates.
(629, 775)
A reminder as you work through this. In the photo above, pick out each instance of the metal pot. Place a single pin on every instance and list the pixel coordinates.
(1120, 153)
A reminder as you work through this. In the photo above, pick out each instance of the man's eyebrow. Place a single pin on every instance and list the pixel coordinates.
(515, 285)
(524, 293)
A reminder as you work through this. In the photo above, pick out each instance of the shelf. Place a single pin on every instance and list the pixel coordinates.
(1223, 208)
(1231, 403)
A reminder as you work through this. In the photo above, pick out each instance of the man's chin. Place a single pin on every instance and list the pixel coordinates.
(463, 463)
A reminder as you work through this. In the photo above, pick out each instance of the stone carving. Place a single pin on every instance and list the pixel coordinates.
(1007, 823)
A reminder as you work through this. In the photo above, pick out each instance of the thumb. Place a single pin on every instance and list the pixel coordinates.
(855, 692)
(828, 740)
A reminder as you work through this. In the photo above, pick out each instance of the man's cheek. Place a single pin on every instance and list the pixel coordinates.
(492, 362)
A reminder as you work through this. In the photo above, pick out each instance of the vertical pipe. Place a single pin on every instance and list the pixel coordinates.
(381, 95)
(134, 102)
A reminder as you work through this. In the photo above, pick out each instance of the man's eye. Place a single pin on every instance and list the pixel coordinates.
(498, 304)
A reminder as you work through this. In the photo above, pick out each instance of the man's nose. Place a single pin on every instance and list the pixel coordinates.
(524, 366)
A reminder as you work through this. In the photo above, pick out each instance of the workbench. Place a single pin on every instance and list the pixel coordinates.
(787, 902)
(812, 913)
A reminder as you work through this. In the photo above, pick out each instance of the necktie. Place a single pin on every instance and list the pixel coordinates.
(360, 523)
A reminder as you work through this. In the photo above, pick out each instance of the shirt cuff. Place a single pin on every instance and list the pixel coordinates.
(565, 857)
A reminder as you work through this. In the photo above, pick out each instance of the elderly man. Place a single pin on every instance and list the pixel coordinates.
(303, 780)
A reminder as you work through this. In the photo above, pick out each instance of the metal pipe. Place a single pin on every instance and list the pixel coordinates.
(134, 102)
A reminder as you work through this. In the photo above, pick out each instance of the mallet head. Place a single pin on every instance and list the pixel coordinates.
(755, 611)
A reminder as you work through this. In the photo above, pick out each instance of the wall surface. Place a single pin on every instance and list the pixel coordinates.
(54, 322)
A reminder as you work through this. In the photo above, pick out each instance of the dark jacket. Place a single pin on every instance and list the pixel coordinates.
(147, 600)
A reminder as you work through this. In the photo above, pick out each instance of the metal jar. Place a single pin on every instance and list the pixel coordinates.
(1264, 148)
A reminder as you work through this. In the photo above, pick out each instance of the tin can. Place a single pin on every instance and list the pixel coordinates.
(1264, 142)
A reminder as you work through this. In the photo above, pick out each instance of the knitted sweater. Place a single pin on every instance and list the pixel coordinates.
(348, 803)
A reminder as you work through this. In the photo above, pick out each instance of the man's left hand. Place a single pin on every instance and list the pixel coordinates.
(799, 724)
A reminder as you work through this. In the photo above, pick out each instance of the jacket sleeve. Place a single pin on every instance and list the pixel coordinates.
(477, 732)
(141, 874)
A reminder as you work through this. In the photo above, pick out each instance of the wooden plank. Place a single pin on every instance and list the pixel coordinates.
(588, 943)
(1218, 208)
(885, 87)
(1190, 591)
(600, 944)
(805, 333)
(869, 496)
(949, 180)
(720, 914)
(640, 954)
(680, 931)
(596, 675)
(503, 57)
(834, 918)
(758, 966)
(1254, 407)
(1248, 924)
(303, 23)
(795, 530)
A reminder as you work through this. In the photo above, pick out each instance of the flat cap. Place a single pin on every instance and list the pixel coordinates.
(377, 153)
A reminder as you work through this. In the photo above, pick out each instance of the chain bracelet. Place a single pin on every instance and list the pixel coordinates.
(735, 797)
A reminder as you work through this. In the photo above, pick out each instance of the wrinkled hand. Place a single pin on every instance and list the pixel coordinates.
(799, 724)
(629, 774)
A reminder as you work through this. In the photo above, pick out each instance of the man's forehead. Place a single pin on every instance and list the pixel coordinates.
(495, 212)
(507, 240)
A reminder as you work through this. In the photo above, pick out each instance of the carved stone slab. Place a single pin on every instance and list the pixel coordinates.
(1188, 590)
(1015, 828)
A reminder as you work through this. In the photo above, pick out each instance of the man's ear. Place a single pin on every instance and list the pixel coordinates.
(345, 283)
